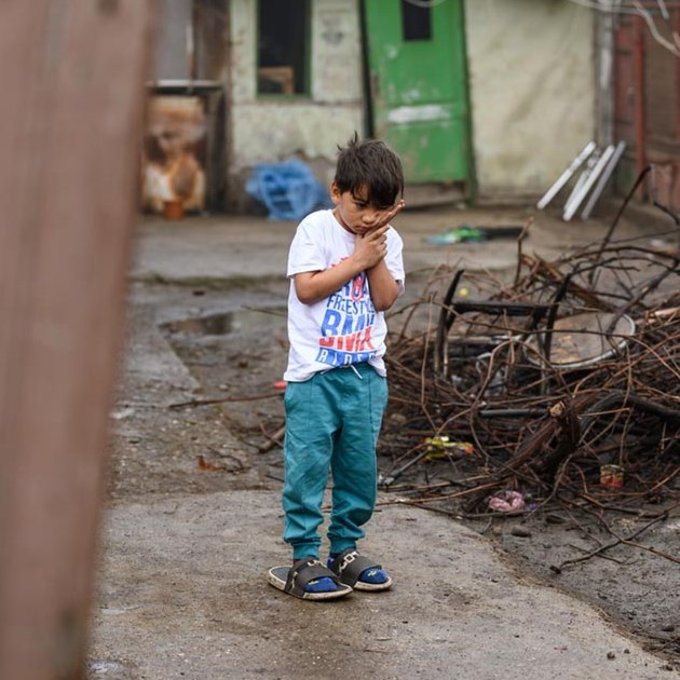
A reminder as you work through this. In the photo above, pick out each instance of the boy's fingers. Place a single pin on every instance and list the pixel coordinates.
(397, 208)
(391, 212)
(377, 232)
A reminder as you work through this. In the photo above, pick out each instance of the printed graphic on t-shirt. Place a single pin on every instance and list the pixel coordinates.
(348, 325)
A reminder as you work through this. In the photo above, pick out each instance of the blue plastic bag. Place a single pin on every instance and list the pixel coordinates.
(289, 189)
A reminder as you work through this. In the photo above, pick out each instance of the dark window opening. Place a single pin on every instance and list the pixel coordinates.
(416, 20)
(283, 39)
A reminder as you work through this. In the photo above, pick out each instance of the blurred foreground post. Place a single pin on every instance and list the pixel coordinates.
(72, 74)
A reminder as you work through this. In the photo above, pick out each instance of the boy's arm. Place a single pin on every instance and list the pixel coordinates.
(384, 289)
(370, 250)
(311, 287)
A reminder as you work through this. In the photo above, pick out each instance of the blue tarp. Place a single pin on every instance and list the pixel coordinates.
(289, 189)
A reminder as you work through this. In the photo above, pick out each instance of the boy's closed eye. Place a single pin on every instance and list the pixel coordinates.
(362, 205)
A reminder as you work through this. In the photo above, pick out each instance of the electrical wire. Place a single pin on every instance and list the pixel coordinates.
(622, 7)
(637, 8)
(673, 47)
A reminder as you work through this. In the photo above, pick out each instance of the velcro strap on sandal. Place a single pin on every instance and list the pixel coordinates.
(303, 572)
(349, 565)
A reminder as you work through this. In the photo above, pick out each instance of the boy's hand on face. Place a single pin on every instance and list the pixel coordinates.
(389, 213)
(371, 246)
(384, 217)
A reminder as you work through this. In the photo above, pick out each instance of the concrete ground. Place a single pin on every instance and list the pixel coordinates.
(246, 248)
(182, 590)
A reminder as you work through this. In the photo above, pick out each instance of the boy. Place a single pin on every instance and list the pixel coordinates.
(345, 268)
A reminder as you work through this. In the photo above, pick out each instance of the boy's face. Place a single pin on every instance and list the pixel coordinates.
(354, 212)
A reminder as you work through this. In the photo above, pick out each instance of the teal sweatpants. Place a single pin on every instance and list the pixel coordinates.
(332, 423)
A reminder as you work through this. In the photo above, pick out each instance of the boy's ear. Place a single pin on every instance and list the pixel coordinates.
(335, 193)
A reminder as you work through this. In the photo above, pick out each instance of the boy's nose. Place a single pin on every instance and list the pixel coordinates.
(369, 217)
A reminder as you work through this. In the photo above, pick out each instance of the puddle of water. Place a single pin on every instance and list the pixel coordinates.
(224, 323)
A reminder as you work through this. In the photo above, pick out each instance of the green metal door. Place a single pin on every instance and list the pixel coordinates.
(418, 81)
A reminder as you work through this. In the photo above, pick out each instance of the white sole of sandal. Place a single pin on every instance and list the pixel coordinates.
(278, 576)
(373, 587)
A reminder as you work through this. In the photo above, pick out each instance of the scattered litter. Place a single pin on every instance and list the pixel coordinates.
(106, 667)
(507, 501)
(289, 190)
(664, 247)
(206, 466)
(462, 234)
(611, 476)
(121, 414)
(442, 446)
(521, 532)
(467, 233)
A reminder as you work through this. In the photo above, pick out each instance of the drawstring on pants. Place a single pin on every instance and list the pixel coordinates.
(353, 367)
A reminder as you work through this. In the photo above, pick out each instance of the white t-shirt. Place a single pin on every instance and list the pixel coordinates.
(344, 328)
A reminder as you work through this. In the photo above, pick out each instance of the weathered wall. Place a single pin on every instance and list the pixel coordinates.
(532, 91)
(267, 129)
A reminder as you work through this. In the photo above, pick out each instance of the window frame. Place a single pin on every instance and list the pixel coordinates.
(307, 61)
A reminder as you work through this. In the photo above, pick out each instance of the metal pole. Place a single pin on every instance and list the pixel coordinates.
(639, 80)
(602, 183)
(587, 185)
(566, 175)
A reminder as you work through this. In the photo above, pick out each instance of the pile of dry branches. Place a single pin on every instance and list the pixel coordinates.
(485, 402)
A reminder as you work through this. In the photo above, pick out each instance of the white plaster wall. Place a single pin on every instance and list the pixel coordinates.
(266, 129)
(532, 90)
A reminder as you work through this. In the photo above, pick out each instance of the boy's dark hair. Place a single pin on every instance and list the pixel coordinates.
(370, 163)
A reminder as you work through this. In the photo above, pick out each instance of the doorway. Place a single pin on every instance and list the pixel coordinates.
(417, 77)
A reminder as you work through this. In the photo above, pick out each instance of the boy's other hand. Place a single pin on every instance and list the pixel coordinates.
(371, 247)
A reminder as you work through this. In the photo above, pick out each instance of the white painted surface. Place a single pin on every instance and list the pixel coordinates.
(412, 114)
(532, 89)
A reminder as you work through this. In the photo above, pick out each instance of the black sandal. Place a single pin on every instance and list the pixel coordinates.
(349, 565)
(292, 580)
